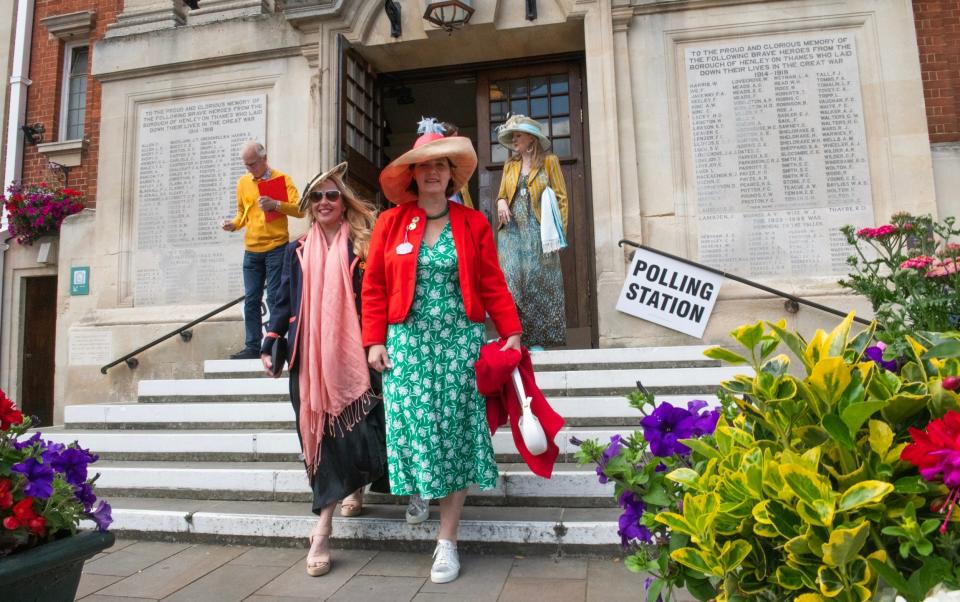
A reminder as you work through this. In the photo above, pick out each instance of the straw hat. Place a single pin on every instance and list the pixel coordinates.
(340, 171)
(523, 124)
(395, 178)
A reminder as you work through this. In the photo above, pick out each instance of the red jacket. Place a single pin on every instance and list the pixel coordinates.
(390, 279)
(495, 381)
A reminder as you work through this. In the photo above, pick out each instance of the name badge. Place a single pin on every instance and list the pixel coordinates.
(404, 248)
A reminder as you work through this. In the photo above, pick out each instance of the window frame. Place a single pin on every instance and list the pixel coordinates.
(68, 50)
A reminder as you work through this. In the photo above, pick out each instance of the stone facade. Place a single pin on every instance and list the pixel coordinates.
(639, 155)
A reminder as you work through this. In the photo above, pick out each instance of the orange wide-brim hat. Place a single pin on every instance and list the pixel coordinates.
(395, 178)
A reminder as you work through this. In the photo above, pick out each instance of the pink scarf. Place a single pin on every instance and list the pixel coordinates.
(334, 379)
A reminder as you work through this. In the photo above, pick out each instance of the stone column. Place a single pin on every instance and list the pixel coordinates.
(209, 11)
(627, 139)
(141, 16)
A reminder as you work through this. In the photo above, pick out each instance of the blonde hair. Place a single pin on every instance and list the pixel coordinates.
(359, 214)
(536, 161)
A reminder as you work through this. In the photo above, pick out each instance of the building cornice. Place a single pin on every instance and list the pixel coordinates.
(70, 26)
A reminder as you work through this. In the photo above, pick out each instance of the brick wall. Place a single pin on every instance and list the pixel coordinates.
(44, 94)
(938, 38)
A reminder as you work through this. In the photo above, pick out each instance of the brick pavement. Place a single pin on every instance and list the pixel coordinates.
(135, 571)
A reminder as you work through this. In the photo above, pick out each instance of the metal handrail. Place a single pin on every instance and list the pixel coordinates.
(792, 303)
(184, 331)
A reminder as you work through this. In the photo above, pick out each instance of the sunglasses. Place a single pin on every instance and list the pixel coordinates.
(332, 195)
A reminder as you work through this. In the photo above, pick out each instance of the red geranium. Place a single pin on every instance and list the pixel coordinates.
(24, 516)
(9, 414)
(6, 493)
(936, 452)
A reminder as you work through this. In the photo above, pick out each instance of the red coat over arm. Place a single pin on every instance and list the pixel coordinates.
(390, 279)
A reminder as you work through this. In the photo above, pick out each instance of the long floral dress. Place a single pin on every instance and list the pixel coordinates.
(437, 437)
(534, 279)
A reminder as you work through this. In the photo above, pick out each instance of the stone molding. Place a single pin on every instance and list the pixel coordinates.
(68, 153)
(70, 26)
(211, 11)
(142, 16)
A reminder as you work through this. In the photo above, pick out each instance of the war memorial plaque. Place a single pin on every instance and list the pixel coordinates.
(187, 169)
(779, 153)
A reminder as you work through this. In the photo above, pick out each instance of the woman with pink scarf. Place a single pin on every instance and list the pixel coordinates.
(335, 395)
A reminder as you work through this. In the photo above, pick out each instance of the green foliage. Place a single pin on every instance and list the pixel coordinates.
(800, 493)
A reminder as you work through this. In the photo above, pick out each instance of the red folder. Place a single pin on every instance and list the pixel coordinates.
(276, 189)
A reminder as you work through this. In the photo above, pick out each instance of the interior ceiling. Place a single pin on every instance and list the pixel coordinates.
(453, 100)
(474, 44)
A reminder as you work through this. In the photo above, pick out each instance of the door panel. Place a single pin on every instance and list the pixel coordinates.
(551, 94)
(360, 123)
(39, 345)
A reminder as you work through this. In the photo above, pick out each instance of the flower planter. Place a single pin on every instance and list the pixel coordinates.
(50, 572)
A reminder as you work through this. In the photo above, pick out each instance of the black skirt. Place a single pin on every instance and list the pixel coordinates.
(352, 460)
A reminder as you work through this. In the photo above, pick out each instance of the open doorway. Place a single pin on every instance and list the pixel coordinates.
(379, 113)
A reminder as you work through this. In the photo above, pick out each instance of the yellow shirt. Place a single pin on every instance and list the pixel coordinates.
(262, 236)
(537, 180)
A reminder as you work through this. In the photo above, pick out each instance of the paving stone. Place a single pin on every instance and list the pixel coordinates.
(295, 582)
(90, 583)
(481, 579)
(120, 544)
(610, 581)
(539, 567)
(101, 598)
(174, 573)
(399, 564)
(527, 589)
(278, 599)
(381, 589)
(284, 557)
(229, 583)
(430, 597)
(134, 558)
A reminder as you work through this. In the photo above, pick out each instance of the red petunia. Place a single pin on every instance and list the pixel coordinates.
(23, 515)
(936, 452)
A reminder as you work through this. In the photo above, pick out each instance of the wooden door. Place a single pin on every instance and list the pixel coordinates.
(360, 128)
(39, 345)
(551, 94)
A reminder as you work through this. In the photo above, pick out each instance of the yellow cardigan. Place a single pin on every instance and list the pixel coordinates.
(537, 180)
(262, 236)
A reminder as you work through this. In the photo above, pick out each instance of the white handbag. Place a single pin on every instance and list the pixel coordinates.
(530, 429)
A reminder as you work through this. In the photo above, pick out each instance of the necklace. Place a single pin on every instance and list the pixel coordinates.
(445, 211)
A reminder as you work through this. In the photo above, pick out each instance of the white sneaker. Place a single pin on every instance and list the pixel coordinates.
(446, 562)
(418, 510)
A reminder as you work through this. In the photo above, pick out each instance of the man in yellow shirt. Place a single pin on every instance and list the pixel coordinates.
(265, 219)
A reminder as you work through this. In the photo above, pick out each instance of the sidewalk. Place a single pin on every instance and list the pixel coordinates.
(134, 571)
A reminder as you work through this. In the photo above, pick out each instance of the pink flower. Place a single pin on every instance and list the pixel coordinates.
(884, 230)
(943, 267)
(917, 263)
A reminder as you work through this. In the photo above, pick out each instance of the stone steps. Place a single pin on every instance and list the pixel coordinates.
(521, 530)
(570, 485)
(217, 458)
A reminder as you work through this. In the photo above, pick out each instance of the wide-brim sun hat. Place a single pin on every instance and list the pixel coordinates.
(396, 177)
(340, 171)
(523, 124)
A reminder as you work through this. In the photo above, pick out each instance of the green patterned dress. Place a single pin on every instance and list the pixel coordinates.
(437, 437)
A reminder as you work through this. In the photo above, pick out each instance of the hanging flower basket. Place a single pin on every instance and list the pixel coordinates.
(35, 210)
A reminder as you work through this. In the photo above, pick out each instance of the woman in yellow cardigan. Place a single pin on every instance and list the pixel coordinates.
(533, 277)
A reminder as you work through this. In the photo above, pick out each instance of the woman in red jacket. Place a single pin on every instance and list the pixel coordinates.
(432, 277)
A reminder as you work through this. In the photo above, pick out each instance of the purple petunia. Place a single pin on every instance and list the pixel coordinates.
(39, 478)
(874, 353)
(101, 516)
(20, 445)
(668, 424)
(630, 529)
(613, 450)
(85, 495)
(72, 462)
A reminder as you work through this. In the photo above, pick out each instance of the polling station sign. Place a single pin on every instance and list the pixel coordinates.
(669, 292)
